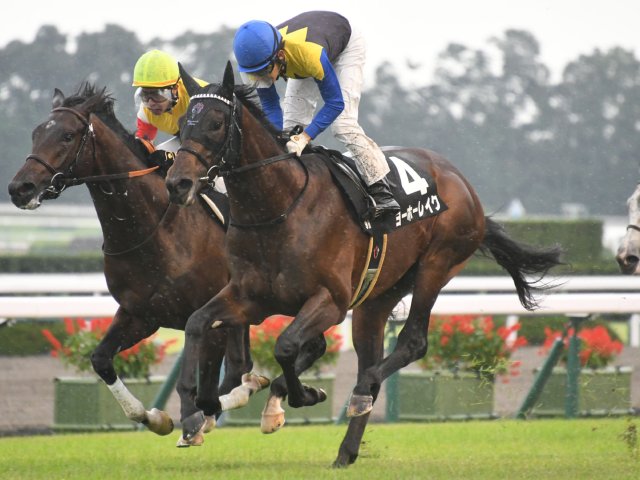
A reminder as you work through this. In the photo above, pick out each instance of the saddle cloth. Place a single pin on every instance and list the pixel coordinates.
(413, 188)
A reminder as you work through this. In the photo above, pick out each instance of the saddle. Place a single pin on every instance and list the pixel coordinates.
(414, 189)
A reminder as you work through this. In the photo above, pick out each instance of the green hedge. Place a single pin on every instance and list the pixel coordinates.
(25, 337)
(49, 263)
(580, 240)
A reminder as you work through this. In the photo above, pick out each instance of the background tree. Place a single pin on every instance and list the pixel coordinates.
(493, 111)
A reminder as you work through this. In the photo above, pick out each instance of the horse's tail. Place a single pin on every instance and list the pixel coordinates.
(520, 260)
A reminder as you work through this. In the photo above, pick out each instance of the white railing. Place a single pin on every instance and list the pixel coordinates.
(64, 295)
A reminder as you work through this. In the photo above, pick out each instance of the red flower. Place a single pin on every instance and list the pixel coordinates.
(85, 335)
(468, 342)
(597, 348)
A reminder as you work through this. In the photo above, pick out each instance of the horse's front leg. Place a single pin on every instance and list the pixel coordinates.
(204, 351)
(124, 332)
(297, 348)
(273, 413)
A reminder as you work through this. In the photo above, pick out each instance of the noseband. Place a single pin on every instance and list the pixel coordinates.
(60, 181)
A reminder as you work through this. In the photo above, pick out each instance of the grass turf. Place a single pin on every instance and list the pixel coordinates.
(502, 449)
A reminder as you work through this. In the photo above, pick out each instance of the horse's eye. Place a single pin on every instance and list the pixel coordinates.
(67, 137)
(216, 125)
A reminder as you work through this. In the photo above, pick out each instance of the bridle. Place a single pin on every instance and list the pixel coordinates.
(60, 180)
(229, 156)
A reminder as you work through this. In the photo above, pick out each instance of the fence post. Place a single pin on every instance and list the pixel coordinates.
(391, 387)
(541, 379)
(167, 387)
(573, 367)
(396, 319)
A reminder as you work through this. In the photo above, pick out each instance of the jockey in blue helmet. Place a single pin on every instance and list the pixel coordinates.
(320, 55)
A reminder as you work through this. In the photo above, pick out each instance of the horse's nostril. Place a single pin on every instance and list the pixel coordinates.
(21, 189)
(184, 185)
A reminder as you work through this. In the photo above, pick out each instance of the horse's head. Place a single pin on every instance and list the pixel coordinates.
(210, 135)
(58, 145)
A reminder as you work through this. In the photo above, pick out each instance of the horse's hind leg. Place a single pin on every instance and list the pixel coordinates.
(239, 382)
(412, 340)
(124, 332)
(368, 325)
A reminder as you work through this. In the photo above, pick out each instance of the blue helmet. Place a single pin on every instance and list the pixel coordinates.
(255, 45)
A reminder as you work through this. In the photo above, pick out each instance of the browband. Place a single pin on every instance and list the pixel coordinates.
(212, 95)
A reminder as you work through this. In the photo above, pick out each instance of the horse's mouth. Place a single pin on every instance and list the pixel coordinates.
(27, 203)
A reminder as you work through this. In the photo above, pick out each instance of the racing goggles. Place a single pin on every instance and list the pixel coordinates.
(157, 95)
(262, 74)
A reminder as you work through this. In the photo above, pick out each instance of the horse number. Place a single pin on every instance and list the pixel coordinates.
(409, 178)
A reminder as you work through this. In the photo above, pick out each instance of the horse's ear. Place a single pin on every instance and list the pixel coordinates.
(58, 98)
(189, 83)
(228, 81)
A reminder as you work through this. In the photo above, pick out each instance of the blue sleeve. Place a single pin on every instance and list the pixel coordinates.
(331, 94)
(270, 101)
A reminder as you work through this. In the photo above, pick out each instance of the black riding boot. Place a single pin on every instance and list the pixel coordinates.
(381, 194)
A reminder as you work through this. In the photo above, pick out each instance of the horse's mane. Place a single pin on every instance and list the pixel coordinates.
(249, 98)
(103, 108)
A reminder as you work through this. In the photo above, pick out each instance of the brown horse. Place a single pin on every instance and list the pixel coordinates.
(628, 256)
(161, 262)
(294, 248)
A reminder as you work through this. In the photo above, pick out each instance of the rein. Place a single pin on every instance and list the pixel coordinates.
(633, 227)
(149, 237)
(283, 216)
(60, 181)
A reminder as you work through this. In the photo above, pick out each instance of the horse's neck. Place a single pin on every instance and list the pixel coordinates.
(266, 189)
(134, 201)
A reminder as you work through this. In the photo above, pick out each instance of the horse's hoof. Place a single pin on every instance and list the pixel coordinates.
(359, 405)
(322, 395)
(255, 382)
(159, 422)
(192, 425)
(209, 424)
(272, 422)
(195, 441)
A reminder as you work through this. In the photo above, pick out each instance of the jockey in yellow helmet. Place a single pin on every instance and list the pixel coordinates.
(161, 94)
(163, 99)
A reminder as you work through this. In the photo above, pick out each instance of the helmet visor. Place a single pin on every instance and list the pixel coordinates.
(155, 95)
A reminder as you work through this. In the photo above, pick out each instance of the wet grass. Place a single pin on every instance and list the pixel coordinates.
(505, 449)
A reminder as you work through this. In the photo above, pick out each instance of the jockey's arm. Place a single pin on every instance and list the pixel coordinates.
(331, 95)
(270, 101)
(143, 128)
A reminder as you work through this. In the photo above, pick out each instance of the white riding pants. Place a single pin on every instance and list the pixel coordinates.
(301, 99)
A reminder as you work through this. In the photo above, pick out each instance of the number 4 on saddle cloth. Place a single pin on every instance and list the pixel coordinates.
(414, 189)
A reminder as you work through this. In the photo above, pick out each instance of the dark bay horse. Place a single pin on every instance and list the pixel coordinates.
(295, 249)
(161, 262)
(628, 256)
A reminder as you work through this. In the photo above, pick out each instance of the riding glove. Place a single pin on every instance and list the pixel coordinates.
(162, 159)
(297, 143)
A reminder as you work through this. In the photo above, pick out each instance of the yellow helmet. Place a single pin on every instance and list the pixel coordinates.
(155, 69)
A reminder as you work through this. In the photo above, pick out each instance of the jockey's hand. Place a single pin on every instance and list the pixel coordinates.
(297, 143)
(161, 158)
